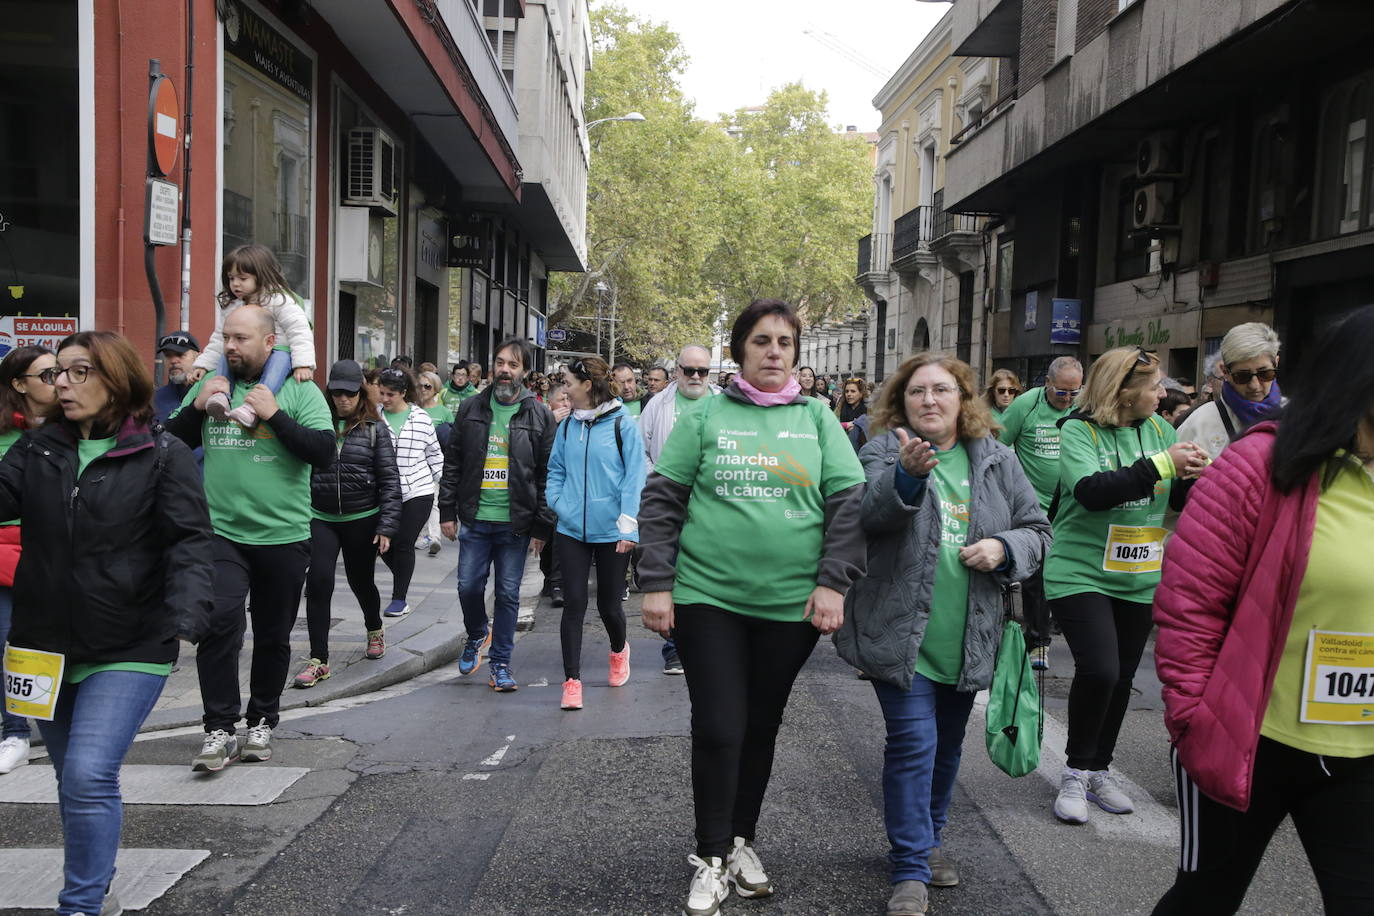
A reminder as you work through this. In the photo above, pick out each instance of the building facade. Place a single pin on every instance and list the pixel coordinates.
(417, 166)
(924, 267)
(1162, 170)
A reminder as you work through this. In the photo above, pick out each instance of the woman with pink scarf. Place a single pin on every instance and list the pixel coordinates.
(772, 485)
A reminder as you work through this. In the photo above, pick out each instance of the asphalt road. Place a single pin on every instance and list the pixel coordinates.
(439, 796)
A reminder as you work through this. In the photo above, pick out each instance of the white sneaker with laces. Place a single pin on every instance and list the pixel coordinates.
(1106, 793)
(708, 889)
(258, 747)
(14, 753)
(744, 870)
(1071, 806)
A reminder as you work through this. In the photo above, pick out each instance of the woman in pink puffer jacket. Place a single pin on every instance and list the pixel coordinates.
(1266, 604)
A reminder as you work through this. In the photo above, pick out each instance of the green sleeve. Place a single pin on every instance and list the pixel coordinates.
(1013, 418)
(190, 396)
(1078, 455)
(840, 467)
(309, 408)
(681, 455)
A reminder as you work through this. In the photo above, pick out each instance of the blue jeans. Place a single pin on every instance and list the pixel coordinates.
(92, 728)
(11, 726)
(925, 739)
(274, 373)
(482, 546)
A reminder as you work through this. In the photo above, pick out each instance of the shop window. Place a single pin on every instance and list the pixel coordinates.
(268, 89)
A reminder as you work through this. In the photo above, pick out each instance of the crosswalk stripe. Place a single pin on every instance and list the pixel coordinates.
(143, 784)
(1151, 822)
(30, 879)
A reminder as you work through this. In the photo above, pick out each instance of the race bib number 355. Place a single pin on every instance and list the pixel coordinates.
(32, 682)
(1338, 679)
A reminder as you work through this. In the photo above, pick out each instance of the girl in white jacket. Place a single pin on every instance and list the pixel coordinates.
(250, 275)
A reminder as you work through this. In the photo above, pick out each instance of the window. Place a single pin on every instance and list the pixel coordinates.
(1344, 166)
(1352, 171)
(1065, 29)
(1005, 253)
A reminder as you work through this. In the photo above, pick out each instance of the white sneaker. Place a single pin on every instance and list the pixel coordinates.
(14, 753)
(708, 889)
(1104, 791)
(258, 747)
(1071, 806)
(744, 870)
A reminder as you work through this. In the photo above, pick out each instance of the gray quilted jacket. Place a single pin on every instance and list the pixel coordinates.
(886, 611)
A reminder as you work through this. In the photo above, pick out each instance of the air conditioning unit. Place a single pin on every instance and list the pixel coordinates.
(370, 176)
(1155, 206)
(1157, 155)
(360, 244)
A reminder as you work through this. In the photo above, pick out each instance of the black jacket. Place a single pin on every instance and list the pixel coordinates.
(118, 564)
(362, 476)
(531, 441)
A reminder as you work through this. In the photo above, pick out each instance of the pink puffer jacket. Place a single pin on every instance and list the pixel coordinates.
(1231, 575)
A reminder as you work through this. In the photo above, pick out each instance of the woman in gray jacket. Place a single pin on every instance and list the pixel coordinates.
(951, 519)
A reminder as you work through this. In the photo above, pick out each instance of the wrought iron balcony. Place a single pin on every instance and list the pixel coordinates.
(910, 231)
(875, 254)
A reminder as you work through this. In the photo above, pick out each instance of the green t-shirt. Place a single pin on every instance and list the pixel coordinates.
(634, 408)
(396, 421)
(942, 648)
(258, 491)
(1029, 428)
(87, 450)
(683, 404)
(451, 397)
(77, 672)
(759, 477)
(1117, 551)
(493, 502)
(1333, 596)
(439, 414)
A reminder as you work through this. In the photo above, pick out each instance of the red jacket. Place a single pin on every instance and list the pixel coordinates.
(1224, 605)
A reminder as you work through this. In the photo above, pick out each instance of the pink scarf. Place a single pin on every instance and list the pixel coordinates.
(788, 393)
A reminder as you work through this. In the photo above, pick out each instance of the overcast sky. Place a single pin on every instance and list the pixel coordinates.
(741, 49)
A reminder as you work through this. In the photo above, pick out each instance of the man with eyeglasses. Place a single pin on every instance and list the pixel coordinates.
(458, 389)
(495, 469)
(688, 391)
(257, 483)
(1030, 427)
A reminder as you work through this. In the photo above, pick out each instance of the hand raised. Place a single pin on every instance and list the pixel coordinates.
(916, 454)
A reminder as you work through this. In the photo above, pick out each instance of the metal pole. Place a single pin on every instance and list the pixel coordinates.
(599, 296)
(611, 360)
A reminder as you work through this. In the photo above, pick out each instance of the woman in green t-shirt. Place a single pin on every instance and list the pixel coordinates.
(951, 520)
(1118, 464)
(24, 398)
(751, 536)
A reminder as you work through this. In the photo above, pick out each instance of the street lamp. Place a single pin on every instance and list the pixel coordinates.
(632, 116)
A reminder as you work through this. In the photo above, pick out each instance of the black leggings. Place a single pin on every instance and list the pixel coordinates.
(400, 559)
(327, 539)
(1035, 610)
(576, 559)
(739, 671)
(1331, 801)
(1107, 637)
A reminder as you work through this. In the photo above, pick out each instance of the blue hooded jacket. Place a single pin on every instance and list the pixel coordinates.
(593, 484)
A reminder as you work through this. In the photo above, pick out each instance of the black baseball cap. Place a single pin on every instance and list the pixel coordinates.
(178, 342)
(345, 375)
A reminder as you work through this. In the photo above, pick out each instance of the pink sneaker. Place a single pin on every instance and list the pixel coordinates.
(572, 694)
(314, 672)
(244, 416)
(620, 666)
(376, 644)
(218, 405)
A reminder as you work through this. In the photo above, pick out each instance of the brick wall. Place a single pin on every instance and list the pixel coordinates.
(1093, 16)
(1038, 18)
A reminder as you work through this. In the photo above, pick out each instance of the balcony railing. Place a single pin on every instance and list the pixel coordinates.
(943, 222)
(910, 230)
(875, 253)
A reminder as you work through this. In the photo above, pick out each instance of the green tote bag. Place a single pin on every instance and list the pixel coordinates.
(1014, 714)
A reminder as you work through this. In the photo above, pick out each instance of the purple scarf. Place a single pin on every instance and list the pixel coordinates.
(769, 398)
(1247, 411)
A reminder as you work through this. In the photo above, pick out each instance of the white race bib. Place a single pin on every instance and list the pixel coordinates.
(1338, 679)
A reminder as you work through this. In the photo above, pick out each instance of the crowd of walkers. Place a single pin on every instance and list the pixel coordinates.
(898, 527)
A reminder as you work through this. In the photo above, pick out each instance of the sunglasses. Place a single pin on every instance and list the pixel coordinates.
(1142, 358)
(579, 369)
(1008, 390)
(427, 386)
(1066, 392)
(1244, 376)
(340, 393)
(392, 375)
(699, 371)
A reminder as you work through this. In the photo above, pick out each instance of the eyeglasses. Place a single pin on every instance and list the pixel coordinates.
(1244, 376)
(427, 386)
(699, 371)
(1065, 392)
(1142, 358)
(1008, 390)
(942, 392)
(75, 374)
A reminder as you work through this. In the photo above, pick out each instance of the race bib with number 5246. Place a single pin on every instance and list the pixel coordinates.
(32, 681)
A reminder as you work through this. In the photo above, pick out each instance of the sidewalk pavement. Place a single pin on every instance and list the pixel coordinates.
(431, 635)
